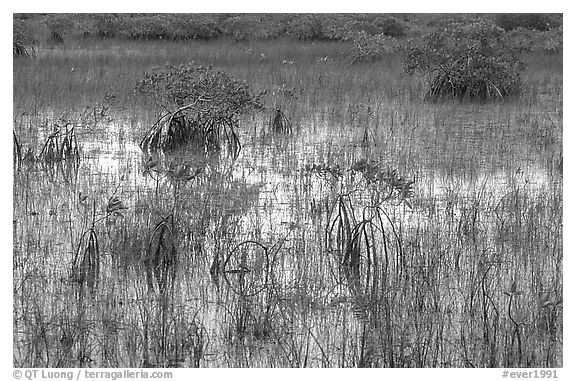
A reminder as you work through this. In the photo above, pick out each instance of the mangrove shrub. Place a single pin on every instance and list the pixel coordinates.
(466, 60)
(23, 40)
(200, 104)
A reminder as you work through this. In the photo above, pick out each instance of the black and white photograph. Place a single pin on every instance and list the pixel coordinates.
(287, 190)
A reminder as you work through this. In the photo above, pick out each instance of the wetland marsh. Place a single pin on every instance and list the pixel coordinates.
(383, 230)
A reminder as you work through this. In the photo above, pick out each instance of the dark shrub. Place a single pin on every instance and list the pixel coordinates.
(22, 38)
(522, 38)
(444, 20)
(108, 25)
(389, 26)
(466, 60)
(534, 21)
(306, 27)
(21, 16)
(201, 104)
(550, 41)
(145, 27)
(252, 26)
(196, 26)
(342, 27)
(59, 25)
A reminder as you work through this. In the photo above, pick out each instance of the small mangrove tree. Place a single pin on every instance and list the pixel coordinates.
(471, 60)
(200, 105)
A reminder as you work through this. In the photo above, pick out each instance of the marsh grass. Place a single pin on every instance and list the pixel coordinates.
(439, 244)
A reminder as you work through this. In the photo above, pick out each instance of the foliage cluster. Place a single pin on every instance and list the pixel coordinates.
(467, 60)
(251, 26)
(533, 21)
(22, 38)
(216, 92)
(59, 25)
(237, 26)
(200, 103)
(371, 48)
(549, 41)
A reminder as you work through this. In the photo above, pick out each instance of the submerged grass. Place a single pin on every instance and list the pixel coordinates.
(307, 250)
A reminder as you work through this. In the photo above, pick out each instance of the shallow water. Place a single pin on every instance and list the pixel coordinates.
(294, 308)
